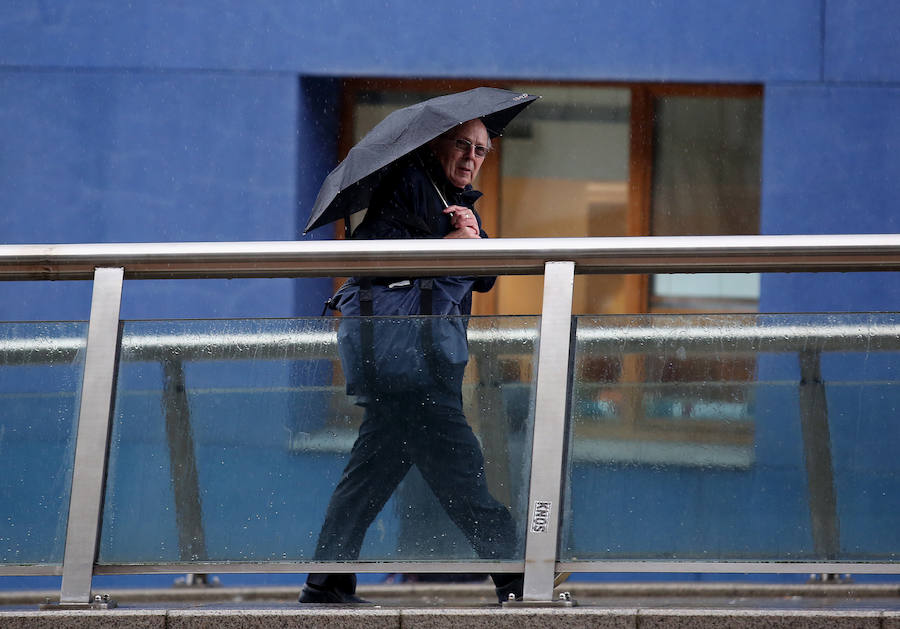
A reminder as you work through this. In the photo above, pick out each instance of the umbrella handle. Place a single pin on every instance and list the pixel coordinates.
(431, 179)
(438, 190)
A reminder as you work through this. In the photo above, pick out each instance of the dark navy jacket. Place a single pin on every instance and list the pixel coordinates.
(406, 205)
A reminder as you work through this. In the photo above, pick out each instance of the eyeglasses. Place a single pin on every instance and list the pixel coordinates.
(465, 146)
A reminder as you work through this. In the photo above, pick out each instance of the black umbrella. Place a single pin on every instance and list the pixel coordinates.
(348, 188)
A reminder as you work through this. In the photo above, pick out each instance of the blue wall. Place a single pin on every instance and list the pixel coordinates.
(113, 156)
(829, 169)
(613, 39)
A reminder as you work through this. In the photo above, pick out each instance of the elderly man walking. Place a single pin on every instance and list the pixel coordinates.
(428, 194)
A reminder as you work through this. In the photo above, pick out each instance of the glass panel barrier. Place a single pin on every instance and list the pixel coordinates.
(256, 417)
(734, 438)
(41, 367)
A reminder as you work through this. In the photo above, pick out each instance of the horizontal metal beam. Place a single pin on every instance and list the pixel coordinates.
(498, 256)
(737, 567)
(30, 570)
(861, 337)
(742, 567)
(377, 566)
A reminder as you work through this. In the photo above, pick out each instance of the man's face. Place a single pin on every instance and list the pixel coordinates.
(461, 161)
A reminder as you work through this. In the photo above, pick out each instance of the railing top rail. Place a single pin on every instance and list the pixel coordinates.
(500, 256)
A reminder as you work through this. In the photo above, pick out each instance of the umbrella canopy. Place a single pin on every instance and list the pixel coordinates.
(348, 188)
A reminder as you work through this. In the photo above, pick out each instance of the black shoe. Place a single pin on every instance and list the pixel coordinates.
(511, 591)
(314, 594)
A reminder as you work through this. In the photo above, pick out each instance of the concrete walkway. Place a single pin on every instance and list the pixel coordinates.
(456, 606)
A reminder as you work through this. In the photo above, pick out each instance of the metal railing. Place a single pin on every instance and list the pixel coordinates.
(499, 256)
(557, 259)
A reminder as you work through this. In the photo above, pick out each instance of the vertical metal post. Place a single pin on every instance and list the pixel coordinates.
(183, 463)
(92, 441)
(549, 431)
(817, 453)
(495, 433)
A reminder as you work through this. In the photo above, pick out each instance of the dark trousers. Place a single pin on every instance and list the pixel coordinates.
(397, 432)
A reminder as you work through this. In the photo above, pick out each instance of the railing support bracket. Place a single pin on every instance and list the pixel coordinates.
(100, 601)
(563, 600)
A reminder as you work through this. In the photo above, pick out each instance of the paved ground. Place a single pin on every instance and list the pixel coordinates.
(471, 605)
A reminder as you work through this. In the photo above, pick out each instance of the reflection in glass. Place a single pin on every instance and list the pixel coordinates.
(230, 436)
(564, 172)
(707, 169)
(40, 376)
(777, 439)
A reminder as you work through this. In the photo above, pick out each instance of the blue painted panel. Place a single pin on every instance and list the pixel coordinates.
(830, 292)
(139, 156)
(136, 157)
(684, 513)
(694, 511)
(614, 39)
(829, 161)
(861, 417)
(829, 167)
(184, 299)
(862, 40)
(38, 421)
(45, 301)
